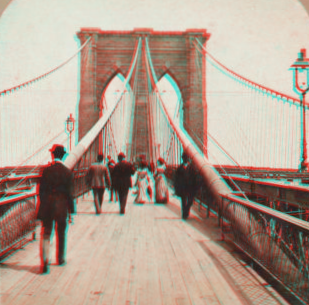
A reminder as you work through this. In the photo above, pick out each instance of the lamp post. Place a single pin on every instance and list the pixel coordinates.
(110, 149)
(301, 87)
(70, 126)
(158, 148)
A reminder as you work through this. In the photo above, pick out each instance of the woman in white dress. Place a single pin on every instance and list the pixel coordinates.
(142, 183)
(162, 195)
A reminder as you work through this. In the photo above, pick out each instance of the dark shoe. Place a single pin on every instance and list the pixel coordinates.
(185, 215)
(45, 269)
(62, 262)
(122, 212)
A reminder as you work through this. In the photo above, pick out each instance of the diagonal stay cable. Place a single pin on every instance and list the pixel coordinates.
(229, 177)
(227, 154)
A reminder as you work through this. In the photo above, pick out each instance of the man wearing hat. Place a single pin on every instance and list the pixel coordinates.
(98, 178)
(186, 184)
(122, 174)
(56, 203)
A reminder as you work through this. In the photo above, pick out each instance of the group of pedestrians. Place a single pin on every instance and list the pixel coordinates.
(116, 177)
(56, 193)
(143, 183)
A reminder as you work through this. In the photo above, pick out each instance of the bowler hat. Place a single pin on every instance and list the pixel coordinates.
(161, 160)
(185, 156)
(121, 155)
(57, 149)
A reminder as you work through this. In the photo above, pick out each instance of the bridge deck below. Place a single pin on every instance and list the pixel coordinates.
(148, 256)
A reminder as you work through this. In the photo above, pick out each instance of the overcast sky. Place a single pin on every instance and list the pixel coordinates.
(258, 39)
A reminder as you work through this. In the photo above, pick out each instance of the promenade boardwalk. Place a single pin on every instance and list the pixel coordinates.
(147, 256)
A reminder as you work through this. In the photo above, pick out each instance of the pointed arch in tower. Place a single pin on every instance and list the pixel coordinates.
(171, 96)
(174, 52)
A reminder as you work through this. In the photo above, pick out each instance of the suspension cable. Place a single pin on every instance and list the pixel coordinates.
(252, 84)
(149, 63)
(20, 86)
(88, 139)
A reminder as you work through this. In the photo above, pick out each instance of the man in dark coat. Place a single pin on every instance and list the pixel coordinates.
(186, 184)
(122, 174)
(56, 203)
(98, 179)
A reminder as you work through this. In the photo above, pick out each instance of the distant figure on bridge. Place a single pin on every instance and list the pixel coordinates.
(162, 195)
(186, 184)
(56, 203)
(151, 167)
(111, 165)
(98, 179)
(122, 174)
(142, 183)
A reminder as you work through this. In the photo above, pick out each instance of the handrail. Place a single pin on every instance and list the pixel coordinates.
(269, 211)
(19, 197)
(254, 233)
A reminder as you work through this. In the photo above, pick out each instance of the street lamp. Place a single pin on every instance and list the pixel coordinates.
(70, 126)
(110, 149)
(301, 87)
(158, 148)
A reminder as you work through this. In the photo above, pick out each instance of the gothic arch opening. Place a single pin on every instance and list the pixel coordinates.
(113, 90)
(171, 97)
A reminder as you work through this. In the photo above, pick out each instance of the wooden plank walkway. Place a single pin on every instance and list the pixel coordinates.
(147, 256)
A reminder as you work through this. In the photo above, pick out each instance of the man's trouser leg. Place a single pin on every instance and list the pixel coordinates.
(45, 250)
(113, 190)
(116, 195)
(101, 195)
(96, 200)
(184, 202)
(61, 239)
(189, 203)
(123, 195)
(47, 227)
(112, 193)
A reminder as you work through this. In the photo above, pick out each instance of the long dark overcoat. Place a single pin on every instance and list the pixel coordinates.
(122, 175)
(186, 180)
(55, 192)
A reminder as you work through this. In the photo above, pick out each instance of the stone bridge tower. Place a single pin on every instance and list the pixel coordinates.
(174, 53)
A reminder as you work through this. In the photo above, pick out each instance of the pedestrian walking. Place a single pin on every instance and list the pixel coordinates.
(122, 174)
(162, 194)
(142, 183)
(186, 184)
(98, 179)
(56, 204)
